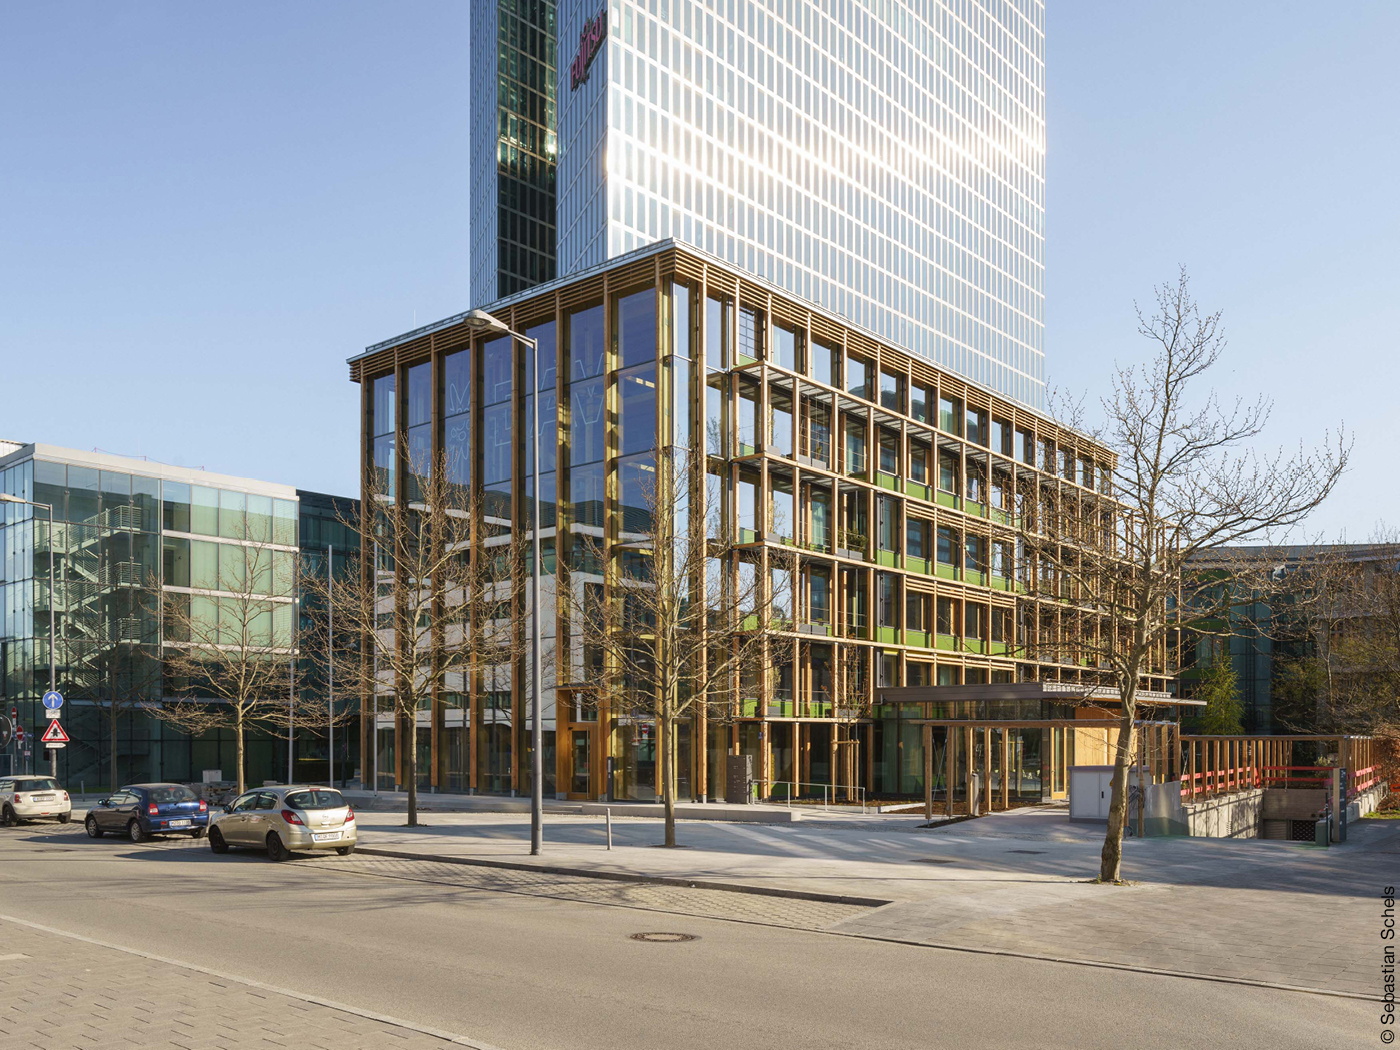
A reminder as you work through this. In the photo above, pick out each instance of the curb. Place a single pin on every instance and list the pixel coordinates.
(620, 876)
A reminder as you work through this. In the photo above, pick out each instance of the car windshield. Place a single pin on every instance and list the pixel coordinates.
(42, 784)
(163, 796)
(316, 799)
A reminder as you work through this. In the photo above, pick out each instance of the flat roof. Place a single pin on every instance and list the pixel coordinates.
(148, 468)
(656, 248)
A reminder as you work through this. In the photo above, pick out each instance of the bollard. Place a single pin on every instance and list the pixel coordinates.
(607, 814)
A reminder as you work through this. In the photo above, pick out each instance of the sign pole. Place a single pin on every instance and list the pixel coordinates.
(53, 642)
(330, 663)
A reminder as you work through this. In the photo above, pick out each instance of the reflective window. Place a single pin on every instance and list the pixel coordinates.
(636, 328)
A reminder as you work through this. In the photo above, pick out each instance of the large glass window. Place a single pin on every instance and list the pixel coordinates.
(637, 416)
(457, 421)
(233, 508)
(947, 545)
(497, 444)
(586, 493)
(145, 497)
(916, 538)
(260, 519)
(717, 313)
(886, 599)
(977, 426)
(586, 421)
(82, 494)
(497, 371)
(419, 417)
(950, 415)
(382, 411)
(751, 325)
(284, 522)
(204, 565)
(175, 558)
(826, 363)
(204, 512)
(175, 506)
(858, 373)
(587, 349)
(785, 348)
(636, 479)
(891, 391)
(636, 328)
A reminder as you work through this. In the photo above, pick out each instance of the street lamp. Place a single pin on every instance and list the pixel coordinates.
(53, 639)
(484, 323)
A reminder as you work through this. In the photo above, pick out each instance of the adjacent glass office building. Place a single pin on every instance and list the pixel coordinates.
(884, 160)
(513, 146)
(903, 491)
(128, 533)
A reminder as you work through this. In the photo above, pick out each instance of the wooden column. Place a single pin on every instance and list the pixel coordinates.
(1191, 770)
(967, 774)
(928, 772)
(948, 741)
(1006, 768)
(987, 768)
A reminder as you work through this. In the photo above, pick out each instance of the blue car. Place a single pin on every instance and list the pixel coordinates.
(139, 811)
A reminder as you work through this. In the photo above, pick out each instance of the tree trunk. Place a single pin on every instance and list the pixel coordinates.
(238, 750)
(112, 743)
(1111, 862)
(668, 790)
(411, 768)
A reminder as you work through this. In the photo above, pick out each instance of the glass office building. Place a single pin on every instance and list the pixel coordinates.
(903, 491)
(127, 534)
(513, 146)
(882, 160)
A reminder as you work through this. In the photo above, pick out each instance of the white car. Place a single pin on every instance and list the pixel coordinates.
(33, 798)
(283, 819)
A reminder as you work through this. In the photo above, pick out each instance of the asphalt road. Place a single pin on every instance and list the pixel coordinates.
(520, 969)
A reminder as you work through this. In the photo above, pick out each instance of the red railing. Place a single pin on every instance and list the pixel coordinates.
(1241, 778)
(1364, 780)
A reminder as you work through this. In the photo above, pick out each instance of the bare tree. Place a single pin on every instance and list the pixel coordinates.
(1339, 604)
(231, 653)
(676, 623)
(441, 605)
(1186, 481)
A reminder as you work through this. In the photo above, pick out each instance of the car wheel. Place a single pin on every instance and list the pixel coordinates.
(197, 833)
(94, 832)
(345, 851)
(216, 841)
(135, 832)
(276, 849)
(64, 818)
(9, 818)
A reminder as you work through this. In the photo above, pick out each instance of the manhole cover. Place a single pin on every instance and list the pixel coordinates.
(664, 938)
(1034, 851)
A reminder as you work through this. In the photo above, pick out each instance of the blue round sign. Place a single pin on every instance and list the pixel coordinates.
(53, 701)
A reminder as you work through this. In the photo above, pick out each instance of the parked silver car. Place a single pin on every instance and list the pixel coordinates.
(285, 819)
(33, 798)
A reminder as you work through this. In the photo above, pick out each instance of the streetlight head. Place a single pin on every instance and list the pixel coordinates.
(481, 321)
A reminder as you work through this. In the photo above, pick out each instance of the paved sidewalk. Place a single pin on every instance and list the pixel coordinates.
(1249, 910)
(67, 994)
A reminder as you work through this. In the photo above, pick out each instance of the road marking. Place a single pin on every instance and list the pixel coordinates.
(12, 956)
(448, 1037)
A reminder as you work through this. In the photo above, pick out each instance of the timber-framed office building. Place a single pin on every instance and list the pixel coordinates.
(902, 488)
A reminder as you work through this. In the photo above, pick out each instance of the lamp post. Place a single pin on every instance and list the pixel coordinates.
(330, 664)
(483, 323)
(53, 639)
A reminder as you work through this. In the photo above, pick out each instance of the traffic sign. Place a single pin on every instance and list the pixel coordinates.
(55, 734)
(49, 713)
(53, 700)
(55, 747)
(19, 733)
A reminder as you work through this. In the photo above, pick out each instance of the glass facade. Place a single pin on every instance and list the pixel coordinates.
(894, 486)
(513, 146)
(123, 540)
(885, 161)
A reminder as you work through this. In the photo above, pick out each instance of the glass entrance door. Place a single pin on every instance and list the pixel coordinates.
(580, 778)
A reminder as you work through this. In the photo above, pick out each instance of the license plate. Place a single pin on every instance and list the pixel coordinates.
(43, 798)
(179, 823)
(325, 836)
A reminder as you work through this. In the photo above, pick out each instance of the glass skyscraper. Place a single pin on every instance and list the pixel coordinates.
(513, 146)
(884, 160)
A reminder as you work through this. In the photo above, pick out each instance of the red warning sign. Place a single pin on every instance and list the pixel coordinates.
(55, 734)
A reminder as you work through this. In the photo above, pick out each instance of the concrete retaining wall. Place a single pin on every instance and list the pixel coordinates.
(1233, 816)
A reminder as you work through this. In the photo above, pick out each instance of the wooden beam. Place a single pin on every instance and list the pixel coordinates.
(1006, 768)
(928, 773)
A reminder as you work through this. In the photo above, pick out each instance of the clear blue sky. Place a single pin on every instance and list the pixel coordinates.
(207, 208)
